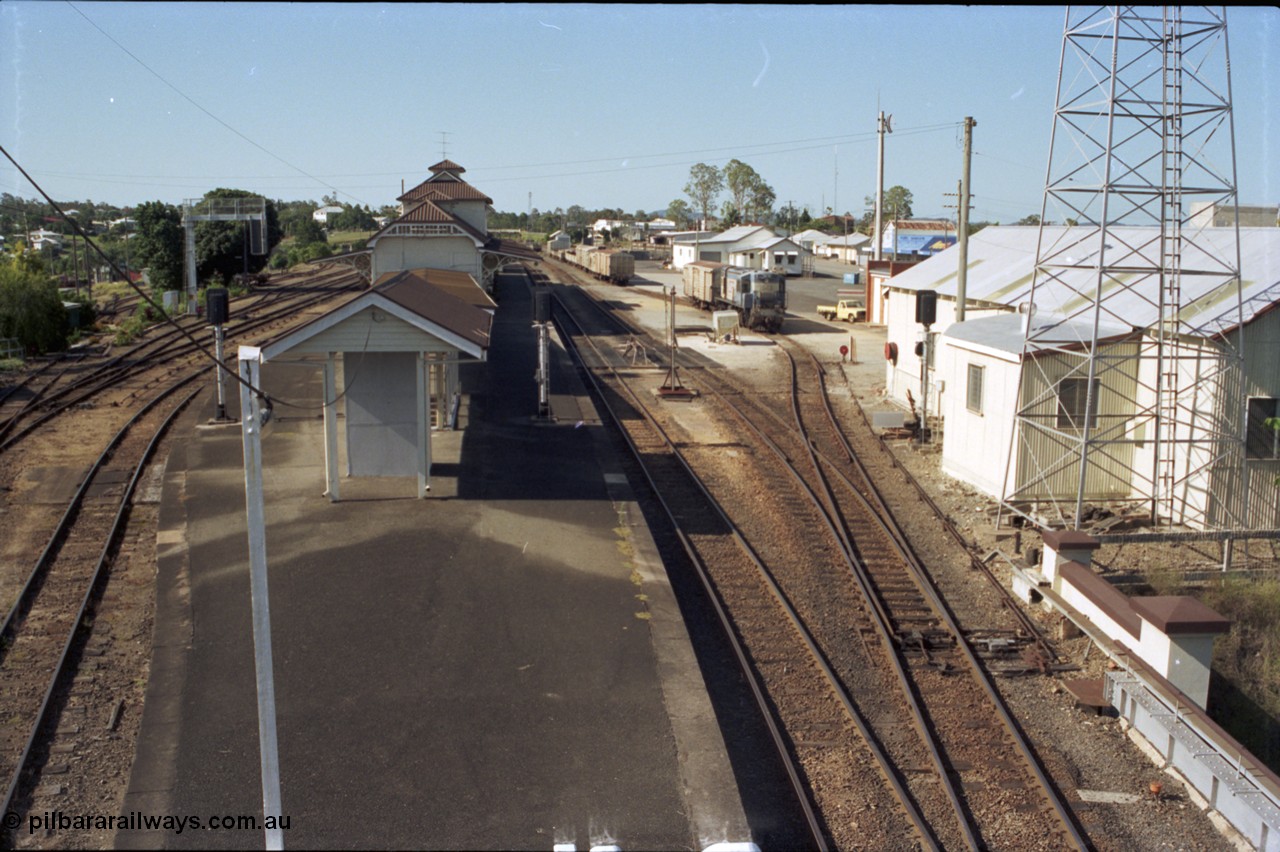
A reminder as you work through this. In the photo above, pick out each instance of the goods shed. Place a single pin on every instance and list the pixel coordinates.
(399, 344)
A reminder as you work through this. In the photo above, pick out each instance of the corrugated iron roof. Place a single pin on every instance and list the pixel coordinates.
(1002, 265)
(445, 190)
(924, 225)
(428, 213)
(434, 304)
(446, 166)
(460, 285)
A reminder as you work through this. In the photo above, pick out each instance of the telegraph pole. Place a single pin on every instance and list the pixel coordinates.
(962, 226)
(882, 127)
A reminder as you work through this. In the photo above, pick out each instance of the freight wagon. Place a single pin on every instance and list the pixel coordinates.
(759, 297)
(617, 267)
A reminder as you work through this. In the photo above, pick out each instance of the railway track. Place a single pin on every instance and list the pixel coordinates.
(55, 602)
(165, 345)
(872, 618)
(38, 637)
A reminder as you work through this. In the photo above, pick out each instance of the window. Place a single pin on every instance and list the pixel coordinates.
(1261, 441)
(1072, 396)
(779, 259)
(974, 394)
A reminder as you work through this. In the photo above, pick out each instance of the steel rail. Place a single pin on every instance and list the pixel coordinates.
(881, 620)
(880, 512)
(814, 823)
(117, 372)
(99, 571)
(884, 764)
(886, 520)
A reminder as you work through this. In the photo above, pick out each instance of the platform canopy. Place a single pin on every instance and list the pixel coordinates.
(398, 340)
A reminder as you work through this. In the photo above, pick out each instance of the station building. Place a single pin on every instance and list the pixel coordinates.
(392, 355)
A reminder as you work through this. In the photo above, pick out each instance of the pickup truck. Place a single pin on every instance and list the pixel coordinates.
(846, 310)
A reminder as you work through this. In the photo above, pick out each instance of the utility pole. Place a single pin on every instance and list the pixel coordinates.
(962, 226)
(882, 127)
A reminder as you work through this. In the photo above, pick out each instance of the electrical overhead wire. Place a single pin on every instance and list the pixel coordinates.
(146, 297)
(200, 107)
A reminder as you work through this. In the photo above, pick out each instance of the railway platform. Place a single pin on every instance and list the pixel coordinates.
(501, 665)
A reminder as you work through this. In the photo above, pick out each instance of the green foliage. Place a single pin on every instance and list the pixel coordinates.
(222, 249)
(1245, 692)
(31, 309)
(158, 244)
(679, 212)
(290, 255)
(353, 219)
(896, 204)
(705, 184)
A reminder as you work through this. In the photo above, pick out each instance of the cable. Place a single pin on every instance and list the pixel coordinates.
(189, 100)
(146, 297)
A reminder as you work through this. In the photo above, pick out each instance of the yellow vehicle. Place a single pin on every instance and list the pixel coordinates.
(846, 310)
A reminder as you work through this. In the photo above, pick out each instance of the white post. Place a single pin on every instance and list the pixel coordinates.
(251, 428)
(424, 428)
(331, 428)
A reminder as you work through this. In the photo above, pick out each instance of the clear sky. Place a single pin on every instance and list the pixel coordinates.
(556, 105)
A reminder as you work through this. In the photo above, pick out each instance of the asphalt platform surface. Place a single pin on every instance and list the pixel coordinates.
(501, 665)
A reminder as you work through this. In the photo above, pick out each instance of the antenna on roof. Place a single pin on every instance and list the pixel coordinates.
(444, 144)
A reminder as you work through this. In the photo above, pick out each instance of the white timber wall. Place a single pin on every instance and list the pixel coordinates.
(975, 446)
(392, 254)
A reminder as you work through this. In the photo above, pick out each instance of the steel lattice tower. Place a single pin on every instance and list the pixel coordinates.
(1130, 386)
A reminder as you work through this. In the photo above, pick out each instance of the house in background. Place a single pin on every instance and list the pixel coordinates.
(559, 241)
(322, 214)
(850, 248)
(753, 246)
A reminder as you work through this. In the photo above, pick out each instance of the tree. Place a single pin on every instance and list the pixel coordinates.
(353, 219)
(741, 180)
(30, 308)
(158, 245)
(705, 184)
(1033, 219)
(222, 249)
(678, 211)
(760, 199)
(896, 205)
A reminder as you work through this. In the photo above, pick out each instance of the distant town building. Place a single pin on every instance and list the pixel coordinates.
(1207, 214)
(322, 214)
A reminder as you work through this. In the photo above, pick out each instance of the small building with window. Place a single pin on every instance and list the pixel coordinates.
(752, 246)
(978, 367)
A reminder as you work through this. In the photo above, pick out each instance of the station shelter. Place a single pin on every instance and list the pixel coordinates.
(398, 345)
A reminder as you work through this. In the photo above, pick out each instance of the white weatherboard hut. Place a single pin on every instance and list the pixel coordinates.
(400, 343)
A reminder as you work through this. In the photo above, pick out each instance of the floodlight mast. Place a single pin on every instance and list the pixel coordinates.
(1109, 408)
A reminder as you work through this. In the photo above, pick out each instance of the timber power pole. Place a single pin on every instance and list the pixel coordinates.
(962, 224)
(882, 127)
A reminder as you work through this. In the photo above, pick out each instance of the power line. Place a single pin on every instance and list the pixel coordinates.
(146, 297)
(191, 101)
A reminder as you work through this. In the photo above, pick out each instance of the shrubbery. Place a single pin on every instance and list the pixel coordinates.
(30, 308)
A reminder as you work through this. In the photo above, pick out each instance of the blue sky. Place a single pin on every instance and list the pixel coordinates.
(594, 105)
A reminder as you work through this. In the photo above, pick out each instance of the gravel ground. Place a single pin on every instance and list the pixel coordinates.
(1105, 776)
